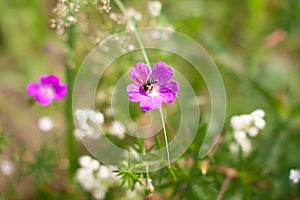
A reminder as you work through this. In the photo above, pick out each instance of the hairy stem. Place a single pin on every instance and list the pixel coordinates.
(165, 135)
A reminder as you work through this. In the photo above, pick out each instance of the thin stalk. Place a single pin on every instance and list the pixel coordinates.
(136, 33)
(165, 134)
(224, 187)
(70, 142)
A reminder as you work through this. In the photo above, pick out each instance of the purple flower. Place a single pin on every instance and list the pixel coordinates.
(152, 88)
(47, 90)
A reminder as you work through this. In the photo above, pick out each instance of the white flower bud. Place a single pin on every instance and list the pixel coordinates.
(149, 187)
(45, 124)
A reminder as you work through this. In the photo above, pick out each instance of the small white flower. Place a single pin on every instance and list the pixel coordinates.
(71, 19)
(45, 124)
(86, 178)
(243, 141)
(117, 129)
(259, 113)
(236, 122)
(246, 120)
(253, 131)
(260, 123)
(239, 136)
(7, 167)
(246, 145)
(99, 193)
(154, 8)
(131, 47)
(88, 122)
(100, 117)
(88, 162)
(295, 175)
(104, 172)
(81, 118)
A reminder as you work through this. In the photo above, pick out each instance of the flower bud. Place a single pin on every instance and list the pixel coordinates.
(149, 187)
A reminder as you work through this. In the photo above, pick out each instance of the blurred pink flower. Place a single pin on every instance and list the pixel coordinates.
(47, 90)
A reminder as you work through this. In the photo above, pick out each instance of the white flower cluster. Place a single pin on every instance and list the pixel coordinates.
(94, 177)
(87, 122)
(88, 125)
(246, 124)
(295, 175)
(65, 15)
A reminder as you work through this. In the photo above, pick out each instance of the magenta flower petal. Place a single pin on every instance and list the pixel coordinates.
(168, 91)
(51, 80)
(32, 89)
(61, 91)
(162, 72)
(140, 73)
(150, 103)
(47, 90)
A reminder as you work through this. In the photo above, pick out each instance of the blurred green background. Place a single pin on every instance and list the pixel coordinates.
(255, 44)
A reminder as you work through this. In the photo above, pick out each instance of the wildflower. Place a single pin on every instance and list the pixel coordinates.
(6, 167)
(295, 175)
(151, 89)
(45, 124)
(87, 122)
(47, 90)
(154, 8)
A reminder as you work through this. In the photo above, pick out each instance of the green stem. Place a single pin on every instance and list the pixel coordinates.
(131, 26)
(165, 135)
(70, 142)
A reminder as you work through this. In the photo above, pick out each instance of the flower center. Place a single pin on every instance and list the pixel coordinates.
(149, 84)
(48, 91)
